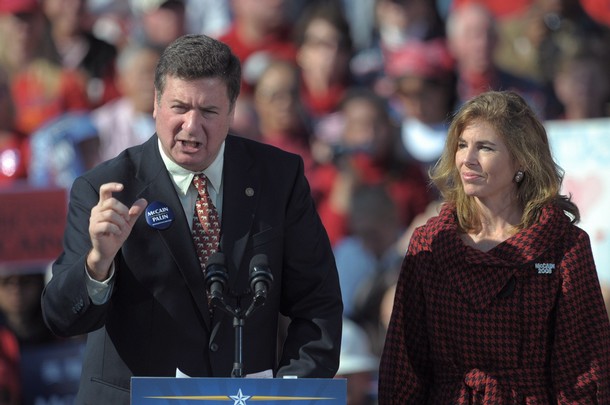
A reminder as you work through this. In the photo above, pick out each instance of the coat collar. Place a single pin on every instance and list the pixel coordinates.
(159, 187)
(480, 276)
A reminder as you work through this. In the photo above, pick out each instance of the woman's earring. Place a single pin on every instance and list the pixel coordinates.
(519, 176)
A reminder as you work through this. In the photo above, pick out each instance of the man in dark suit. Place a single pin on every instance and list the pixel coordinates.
(134, 282)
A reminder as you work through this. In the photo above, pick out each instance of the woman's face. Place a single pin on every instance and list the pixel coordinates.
(322, 55)
(276, 99)
(485, 164)
(366, 129)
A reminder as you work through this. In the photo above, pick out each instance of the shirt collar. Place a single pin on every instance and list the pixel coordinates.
(182, 177)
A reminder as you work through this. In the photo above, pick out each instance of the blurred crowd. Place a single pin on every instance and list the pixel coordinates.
(363, 90)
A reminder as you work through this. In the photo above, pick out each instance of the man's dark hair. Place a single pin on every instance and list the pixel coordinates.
(193, 57)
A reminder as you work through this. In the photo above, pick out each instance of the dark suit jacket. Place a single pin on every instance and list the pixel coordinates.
(158, 318)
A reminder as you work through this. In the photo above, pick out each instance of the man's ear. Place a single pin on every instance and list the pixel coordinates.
(155, 98)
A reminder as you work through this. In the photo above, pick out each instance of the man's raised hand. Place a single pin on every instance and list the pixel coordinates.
(110, 224)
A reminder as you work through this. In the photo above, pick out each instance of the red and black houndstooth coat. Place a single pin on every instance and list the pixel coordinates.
(523, 323)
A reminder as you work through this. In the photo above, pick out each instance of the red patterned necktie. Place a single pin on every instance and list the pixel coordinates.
(206, 225)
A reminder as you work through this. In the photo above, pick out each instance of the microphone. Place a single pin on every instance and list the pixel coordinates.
(260, 278)
(216, 277)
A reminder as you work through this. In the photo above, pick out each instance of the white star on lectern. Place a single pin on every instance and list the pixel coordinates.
(240, 399)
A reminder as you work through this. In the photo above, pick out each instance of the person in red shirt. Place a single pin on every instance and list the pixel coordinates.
(282, 121)
(260, 29)
(368, 152)
(472, 38)
(76, 47)
(41, 89)
(322, 35)
(44, 91)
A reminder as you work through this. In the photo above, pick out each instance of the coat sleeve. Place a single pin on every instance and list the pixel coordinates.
(581, 351)
(311, 296)
(67, 308)
(405, 370)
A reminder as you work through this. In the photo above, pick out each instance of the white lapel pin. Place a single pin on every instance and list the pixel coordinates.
(545, 268)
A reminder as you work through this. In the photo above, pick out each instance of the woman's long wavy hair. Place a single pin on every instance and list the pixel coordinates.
(527, 141)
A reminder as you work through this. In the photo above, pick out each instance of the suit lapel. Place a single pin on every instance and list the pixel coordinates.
(176, 238)
(241, 188)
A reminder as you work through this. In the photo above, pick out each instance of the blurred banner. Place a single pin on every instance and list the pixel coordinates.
(582, 149)
(31, 226)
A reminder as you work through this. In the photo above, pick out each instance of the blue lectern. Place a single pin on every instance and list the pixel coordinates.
(237, 391)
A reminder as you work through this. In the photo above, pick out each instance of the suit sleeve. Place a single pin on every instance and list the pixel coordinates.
(405, 370)
(311, 296)
(581, 351)
(67, 308)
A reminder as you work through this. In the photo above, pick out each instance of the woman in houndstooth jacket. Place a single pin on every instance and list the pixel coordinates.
(498, 300)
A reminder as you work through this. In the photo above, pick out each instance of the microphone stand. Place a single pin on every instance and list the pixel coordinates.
(216, 280)
(239, 320)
